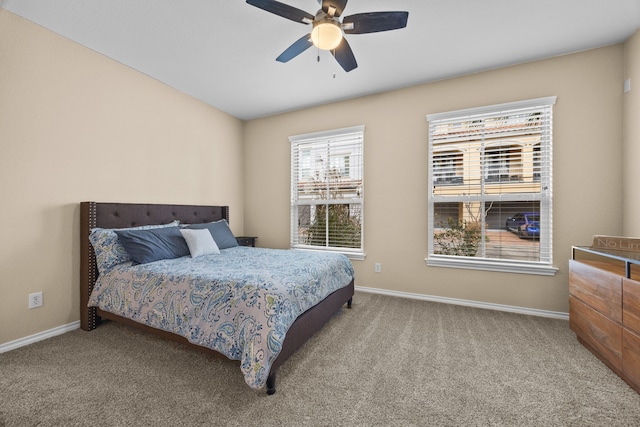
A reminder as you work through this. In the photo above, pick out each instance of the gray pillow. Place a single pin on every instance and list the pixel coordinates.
(144, 246)
(109, 251)
(220, 231)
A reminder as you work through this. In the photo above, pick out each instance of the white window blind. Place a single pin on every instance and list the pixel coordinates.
(490, 181)
(327, 191)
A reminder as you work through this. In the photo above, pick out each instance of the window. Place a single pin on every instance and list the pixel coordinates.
(501, 163)
(447, 167)
(490, 197)
(327, 191)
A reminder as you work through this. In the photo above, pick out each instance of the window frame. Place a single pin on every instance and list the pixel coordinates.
(542, 174)
(345, 165)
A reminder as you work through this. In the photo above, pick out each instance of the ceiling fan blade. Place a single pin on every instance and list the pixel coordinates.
(374, 22)
(344, 56)
(337, 5)
(283, 10)
(302, 44)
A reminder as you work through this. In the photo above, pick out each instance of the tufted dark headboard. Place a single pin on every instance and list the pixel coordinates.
(121, 215)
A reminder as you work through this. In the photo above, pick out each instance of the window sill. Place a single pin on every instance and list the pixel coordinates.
(522, 267)
(358, 256)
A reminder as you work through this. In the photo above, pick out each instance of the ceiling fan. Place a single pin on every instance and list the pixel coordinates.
(327, 32)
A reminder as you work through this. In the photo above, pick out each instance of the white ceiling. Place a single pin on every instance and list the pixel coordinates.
(223, 51)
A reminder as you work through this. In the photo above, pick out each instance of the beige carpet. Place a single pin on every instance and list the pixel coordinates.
(386, 362)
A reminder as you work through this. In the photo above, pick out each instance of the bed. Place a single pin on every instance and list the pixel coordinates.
(300, 317)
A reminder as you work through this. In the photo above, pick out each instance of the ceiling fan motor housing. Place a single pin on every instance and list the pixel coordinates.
(327, 32)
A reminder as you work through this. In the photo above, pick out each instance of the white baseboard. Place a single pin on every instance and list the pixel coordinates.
(469, 303)
(40, 336)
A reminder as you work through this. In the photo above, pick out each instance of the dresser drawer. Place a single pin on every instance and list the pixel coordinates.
(597, 288)
(631, 305)
(631, 356)
(604, 335)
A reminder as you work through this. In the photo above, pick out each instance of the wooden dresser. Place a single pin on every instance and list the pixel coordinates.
(604, 307)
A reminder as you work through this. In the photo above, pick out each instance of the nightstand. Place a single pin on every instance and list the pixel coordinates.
(246, 241)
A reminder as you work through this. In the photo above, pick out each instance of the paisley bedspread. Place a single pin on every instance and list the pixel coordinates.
(240, 303)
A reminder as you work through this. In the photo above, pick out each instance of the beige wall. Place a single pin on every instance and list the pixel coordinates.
(631, 132)
(587, 172)
(77, 126)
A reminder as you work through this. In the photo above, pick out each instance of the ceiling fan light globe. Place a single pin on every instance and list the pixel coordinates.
(326, 35)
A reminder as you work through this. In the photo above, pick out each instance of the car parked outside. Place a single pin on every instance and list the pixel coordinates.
(525, 224)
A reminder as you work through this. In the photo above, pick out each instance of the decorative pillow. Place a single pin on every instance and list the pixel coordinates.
(220, 231)
(144, 246)
(109, 252)
(200, 242)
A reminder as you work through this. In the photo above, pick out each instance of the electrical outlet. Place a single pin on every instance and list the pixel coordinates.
(377, 267)
(35, 300)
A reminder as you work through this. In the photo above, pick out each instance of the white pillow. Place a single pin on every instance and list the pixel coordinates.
(200, 242)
